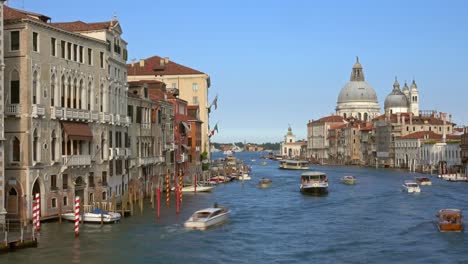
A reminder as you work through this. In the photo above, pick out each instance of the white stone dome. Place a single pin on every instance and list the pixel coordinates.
(357, 91)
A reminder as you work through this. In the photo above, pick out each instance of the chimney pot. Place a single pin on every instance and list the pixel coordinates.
(142, 63)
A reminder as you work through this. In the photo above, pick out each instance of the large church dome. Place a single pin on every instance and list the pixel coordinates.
(357, 98)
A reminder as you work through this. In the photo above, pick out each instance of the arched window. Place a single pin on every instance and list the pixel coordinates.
(103, 147)
(344, 115)
(359, 116)
(53, 146)
(75, 93)
(88, 99)
(102, 98)
(14, 88)
(62, 96)
(35, 92)
(16, 150)
(35, 146)
(366, 116)
(69, 93)
(52, 90)
(82, 96)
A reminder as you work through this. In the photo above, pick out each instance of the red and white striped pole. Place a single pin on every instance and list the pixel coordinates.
(77, 216)
(158, 200)
(36, 213)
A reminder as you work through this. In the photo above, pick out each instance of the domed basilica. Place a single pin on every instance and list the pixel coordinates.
(358, 99)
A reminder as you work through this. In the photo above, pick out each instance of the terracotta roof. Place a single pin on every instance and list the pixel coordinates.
(13, 14)
(152, 66)
(330, 119)
(417, 120)
(429, 135)
(80, 26)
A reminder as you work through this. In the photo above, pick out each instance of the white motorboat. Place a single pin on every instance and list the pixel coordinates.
(205, 218)
(350, 180)
(94, 216)
(244, 177)
(424, 181)
(411, 187)
(200, 188)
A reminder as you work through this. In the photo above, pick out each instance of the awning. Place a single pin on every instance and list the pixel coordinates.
(187, 128)
(186, 147)
(77, 131)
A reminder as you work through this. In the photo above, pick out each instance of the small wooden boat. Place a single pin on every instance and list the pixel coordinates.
(348, 180)
(424, 181)
(314, 182)
(205, 218)
(450, 220)
(264, 183)
(94, 216)
(294, 165)
(411, 187)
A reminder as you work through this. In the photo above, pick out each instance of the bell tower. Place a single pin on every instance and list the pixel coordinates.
(414, 99)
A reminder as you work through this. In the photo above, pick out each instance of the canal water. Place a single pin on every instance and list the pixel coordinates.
(371, 222)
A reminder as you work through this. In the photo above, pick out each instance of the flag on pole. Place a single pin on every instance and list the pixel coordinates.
(212, 132)
(215, 102)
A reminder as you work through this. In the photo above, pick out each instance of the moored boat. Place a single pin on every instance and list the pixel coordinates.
(411, 187)
(314, 182)
(294, 165)
(200, 188)
(424, 181)
(450, 220)
(264, 183)
(94, 216)
(202, 219)
(350, 180)
(244, 177)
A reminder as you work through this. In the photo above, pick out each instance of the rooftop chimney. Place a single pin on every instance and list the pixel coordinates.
(398, 118)
(132, 62)
(166, 60)
(142, 63)
(410, 118)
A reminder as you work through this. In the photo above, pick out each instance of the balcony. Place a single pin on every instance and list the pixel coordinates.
(143, 161)
(56, 112)
(13, 110)
(76, 114)
(128, 121)
(38, 110)
(117, 119)
(111, 153)
(105, 118)
(94, 116)
(128, 152)
(120, 152)
(160, 159)
(146, 125)
(76, 160)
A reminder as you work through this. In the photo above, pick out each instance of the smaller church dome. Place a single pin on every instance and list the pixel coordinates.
(396, 99)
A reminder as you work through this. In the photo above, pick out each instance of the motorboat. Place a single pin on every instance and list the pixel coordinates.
(205, 218)
(411, 187)
(294, 165)
(191, 188)
(264, 163)
(314, 182)
(228, 152)
(264, 183)
(244, 177)
(424, 181)
(350, 180)
(94, 216)
(450, 220)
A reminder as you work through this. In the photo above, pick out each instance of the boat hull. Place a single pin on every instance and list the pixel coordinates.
(450, 227)
(294, 168)
(199, 189)
(349, 181)
(314, 190)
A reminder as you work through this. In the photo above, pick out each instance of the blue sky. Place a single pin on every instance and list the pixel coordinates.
(275, 63)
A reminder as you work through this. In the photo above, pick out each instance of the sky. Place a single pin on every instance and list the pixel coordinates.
(278, 63)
